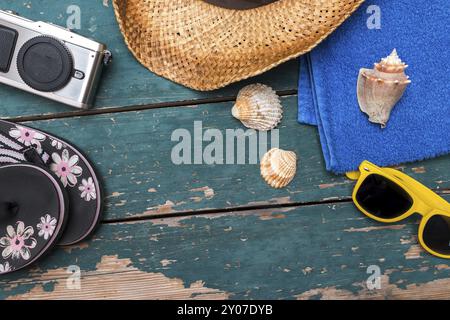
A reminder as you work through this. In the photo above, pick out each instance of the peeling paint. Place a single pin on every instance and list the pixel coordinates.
(78, 246)
(307, 270)
(408, 240)
(102, 284)
(167, 207)
(334, 184)
(270, 216)
(368, 229)
(428, 290)
(281, 200)
(264, 251)
(442, 267)
(121, 203)
(166, 262)
(414, 252)
(419, 170)
(169, 222)
(207, 191)
(116, 194)
(214, 250)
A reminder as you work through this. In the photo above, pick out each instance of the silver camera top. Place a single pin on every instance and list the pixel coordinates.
(49, 60)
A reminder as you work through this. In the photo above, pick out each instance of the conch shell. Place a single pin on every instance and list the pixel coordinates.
(380, 88)
(278, 167)
(258, 107)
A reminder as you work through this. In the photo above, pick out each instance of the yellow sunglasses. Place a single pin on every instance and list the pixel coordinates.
(388, 195)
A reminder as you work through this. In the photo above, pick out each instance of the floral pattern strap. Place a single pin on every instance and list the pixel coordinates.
(26, 144)
(17, 151)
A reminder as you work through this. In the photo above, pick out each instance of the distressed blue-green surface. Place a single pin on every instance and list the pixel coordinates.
(132, 152)
(300, 251)
(125, 82)
(249, 256)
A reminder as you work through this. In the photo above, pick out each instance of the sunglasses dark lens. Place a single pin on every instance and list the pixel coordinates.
(436, 234)
(383, 198)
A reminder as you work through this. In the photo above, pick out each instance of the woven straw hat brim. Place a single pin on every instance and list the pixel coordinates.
(206, 47)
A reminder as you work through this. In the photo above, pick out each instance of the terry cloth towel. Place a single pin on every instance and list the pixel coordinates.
(419, 126)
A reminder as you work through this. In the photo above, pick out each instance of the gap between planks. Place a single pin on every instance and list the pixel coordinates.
(231, 210)
(122, 109)
(31, 280)
(184, 103)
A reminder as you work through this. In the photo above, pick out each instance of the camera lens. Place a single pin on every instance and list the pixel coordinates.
(45, 64)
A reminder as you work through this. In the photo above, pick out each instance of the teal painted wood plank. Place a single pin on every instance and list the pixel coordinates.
(132, 152)
(125, 82)
(313, 252)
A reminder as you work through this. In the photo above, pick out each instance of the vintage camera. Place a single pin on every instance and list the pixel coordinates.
(50, 61)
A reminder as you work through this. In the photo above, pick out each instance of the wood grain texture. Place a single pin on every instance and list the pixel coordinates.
(125, 82)
(311, 252)
(132, 152)
(211, 231)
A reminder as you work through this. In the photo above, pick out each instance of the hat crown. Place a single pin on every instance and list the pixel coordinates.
(240, 4)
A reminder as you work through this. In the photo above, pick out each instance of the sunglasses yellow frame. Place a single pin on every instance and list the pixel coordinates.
(425, 201)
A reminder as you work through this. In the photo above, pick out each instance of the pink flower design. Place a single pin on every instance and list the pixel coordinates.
(45, 157)
(66, 168)
(4, 268)
(57, 144)
(47, 226)
(17, 243)
(27, 136)
(87, 189)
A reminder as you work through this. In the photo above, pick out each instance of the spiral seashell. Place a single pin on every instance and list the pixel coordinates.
(380, 89)
(278, 167)
(258, 107)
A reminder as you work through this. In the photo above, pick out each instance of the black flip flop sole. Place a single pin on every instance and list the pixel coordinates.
(33, 214)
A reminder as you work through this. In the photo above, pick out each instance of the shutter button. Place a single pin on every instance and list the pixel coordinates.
(78, 75)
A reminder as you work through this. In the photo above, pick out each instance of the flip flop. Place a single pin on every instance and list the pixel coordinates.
(19, 144)
(33, 214)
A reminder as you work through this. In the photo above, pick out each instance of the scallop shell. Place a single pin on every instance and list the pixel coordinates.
(380, 88)
(278, 167)
(258, 107)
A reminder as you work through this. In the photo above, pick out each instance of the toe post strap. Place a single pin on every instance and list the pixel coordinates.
(31, 154)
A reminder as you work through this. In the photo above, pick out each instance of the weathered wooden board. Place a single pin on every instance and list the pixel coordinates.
(125, 82)
(320, 251)
(251, 241)
(132, 152)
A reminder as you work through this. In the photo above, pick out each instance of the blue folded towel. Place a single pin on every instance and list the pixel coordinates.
(419, 126)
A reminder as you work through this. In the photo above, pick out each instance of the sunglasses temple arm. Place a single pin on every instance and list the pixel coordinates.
(353, 175)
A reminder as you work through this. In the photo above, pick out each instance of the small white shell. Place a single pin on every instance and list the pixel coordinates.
(258, 107)
(278, 167)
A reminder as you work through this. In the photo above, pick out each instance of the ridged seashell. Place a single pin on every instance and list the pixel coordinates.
(278, 167)
(380, 88)
(258, 107)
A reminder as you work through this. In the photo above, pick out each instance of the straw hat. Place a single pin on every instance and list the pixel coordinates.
(204, 46)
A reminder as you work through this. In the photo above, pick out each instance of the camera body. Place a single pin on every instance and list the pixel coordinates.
(50, 61)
